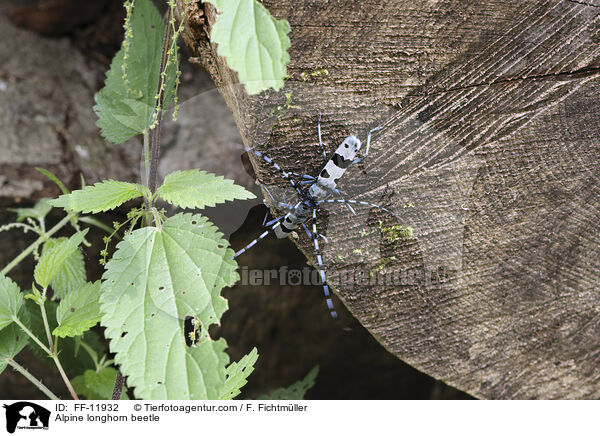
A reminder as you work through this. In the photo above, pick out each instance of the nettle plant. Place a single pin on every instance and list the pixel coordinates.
(167, 273)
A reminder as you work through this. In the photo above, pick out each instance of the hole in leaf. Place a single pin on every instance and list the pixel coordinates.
(124, 334)
(213, 331)
(161, 288)
(159, 383)
(220, 246)
(194, 222)
(152, 315)
(189, 334)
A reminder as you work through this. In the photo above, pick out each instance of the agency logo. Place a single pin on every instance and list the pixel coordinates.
(26, 415)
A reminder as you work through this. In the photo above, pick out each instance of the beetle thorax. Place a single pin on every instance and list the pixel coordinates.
(317, 193)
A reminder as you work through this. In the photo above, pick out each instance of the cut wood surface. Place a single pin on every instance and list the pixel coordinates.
(489, 151)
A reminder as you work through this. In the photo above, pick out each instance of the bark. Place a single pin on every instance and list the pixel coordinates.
(489, 151)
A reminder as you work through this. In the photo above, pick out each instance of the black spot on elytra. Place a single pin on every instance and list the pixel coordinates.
(339, 160)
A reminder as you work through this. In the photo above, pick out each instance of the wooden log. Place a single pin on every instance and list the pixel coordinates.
(489, 151)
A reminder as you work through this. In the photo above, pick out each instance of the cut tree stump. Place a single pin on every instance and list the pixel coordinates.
(489, 150)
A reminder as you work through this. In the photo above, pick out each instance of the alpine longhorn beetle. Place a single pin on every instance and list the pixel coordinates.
(320, 190)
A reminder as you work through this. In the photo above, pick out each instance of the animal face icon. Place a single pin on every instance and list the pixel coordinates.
(26, 414)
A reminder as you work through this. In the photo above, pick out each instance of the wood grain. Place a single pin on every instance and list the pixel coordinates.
(490, 151)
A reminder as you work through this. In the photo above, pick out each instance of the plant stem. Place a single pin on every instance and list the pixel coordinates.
(156, 216)
(38, 384)
(146, 180)
(64, 377)
(92, 354)
(51, 354)
(155, 144)
(154, 155)
(33, 246)
(53, 350)
(146, 177)
(46, 325)
(95, 222)
(31, 335)
(117, 391)
(42, 225)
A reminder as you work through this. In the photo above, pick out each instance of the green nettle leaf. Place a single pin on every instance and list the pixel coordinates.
(71, 275)
(78, 311)
(12, 341)
(11, 300)
(237, 374)
(53, 259)
(38, 211)
(197, 189)
(97, 385)
(295, 391)
(100, 197)
(73, 356)
(156, 279)
(55, 179)
(126, 109)
(254, 44)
